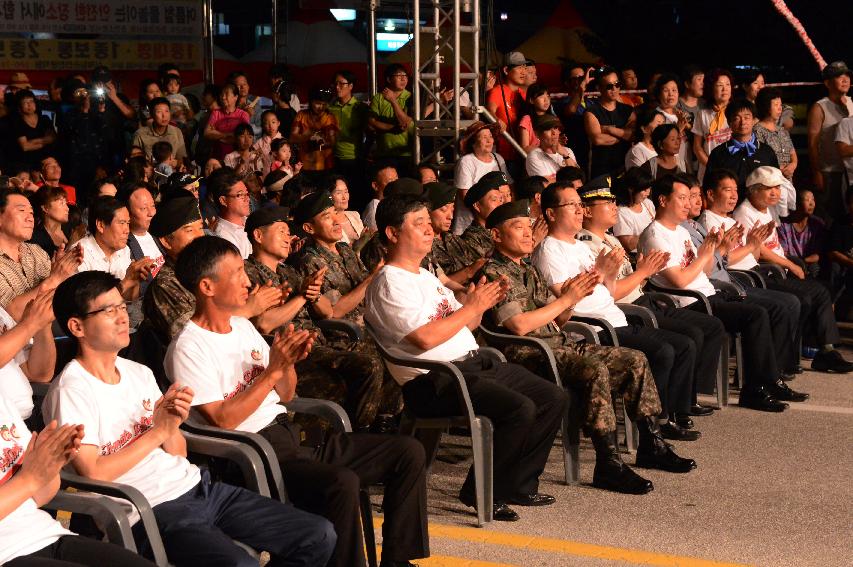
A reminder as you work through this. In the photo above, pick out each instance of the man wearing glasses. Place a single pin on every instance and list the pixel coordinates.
(609, 125)
(352, 118)
(390, 118)
(232, 197)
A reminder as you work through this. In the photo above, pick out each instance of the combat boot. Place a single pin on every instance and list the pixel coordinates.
(613, 474)
(655, 453)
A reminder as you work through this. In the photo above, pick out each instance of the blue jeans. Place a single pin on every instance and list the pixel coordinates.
(198, 528)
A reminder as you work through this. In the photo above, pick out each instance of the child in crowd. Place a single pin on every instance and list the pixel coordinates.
(179, 106)
(165, 163)
(282, 154)
(270, 125)
(244, 160)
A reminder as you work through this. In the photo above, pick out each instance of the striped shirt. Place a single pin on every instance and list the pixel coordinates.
(18, 277)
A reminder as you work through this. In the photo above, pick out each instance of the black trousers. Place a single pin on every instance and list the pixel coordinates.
(327, 481)
(817, 320)
(524, 408)
(672, 358)
(75, 551)
(784, 311)
(752, 322)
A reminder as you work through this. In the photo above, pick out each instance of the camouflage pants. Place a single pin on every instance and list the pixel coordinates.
(595, 372)
(351, 379)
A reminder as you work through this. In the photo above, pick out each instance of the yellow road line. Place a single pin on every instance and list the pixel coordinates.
(568, 547)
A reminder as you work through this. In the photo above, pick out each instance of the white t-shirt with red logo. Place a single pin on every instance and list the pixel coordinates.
(218, 366)
(150, 249)
(748, 216)
(26, 529)
(114, 416)
(682, 253)
(559, 260)
(14, 385)
(711, 220)
(399, 302)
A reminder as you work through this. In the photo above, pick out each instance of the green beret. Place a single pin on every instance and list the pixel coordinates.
(173, 214)
(404, 186)
(265, 217)
(546, 122)
(312, 205)
(490, 181)
(439, 194)
(507, 211)
(597, 188)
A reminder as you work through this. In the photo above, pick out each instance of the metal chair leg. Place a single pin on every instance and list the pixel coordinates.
(632, 435)
(739, 358)
(367, 527)
(723, 376)
(481, 442)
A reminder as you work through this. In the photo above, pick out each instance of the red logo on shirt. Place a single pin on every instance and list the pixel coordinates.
(256, 354)
(127, 437)
(689, 255)
(248, 377)
(8, 461)
(442, 310)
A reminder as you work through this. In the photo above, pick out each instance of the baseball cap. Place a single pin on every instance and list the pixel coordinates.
(767, 176)
(516, 59)
(835, 69)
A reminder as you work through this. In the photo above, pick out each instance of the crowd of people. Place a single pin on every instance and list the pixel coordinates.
(191, 249)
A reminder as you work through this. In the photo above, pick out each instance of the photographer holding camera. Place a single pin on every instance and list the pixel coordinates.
(314, 131)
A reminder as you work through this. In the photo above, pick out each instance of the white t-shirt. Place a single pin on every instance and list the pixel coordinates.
(682, 252)
(218, 366)
(26, 529)
(631, 223)
(748, 216)
(151, 250)
(14, 385)
(844, 133)
(368, 217)
(559, 260)
(235, 234)
(114, 416)
(469, 170)
(95, 259)
(711, 220)
(398, 302)
(540, 162)
(702, 127)
(638, 155)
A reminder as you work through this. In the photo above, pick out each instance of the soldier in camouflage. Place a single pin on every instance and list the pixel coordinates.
(531, 309)
(448, 250)
(482, 198)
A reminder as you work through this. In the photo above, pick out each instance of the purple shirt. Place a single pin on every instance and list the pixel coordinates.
(802, 244)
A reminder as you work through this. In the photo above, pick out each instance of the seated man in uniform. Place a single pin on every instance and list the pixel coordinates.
(482, 198)
(449, 251)
(337, 371)
(239, 381)
(530, 309)
(414, 313)
(132, 436)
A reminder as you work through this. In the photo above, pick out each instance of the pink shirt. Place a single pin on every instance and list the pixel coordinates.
(226, 123)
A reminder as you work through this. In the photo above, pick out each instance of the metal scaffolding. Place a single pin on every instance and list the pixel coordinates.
(449, 48)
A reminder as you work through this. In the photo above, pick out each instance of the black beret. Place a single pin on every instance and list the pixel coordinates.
(404, 186)
(173, 214)
(492, 180)
(263, 217)
(511, 210)
(312, 205)
(597, 188)
(439, 194)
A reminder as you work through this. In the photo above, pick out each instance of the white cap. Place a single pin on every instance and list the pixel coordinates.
(766, 176)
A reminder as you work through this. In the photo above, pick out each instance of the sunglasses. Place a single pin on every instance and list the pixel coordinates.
(612, 86)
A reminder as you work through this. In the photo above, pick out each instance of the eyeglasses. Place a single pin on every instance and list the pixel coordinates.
(240, 195)
(611, 86)
(571, 205)
(344, 83)
(110, 310)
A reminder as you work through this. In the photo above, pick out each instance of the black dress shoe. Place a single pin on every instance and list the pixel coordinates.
(698, 410)
(664, 459)
(782, 392)
(831, 361)
(503, 513)
(799, 369)
(671, 430)
(683, 420)
(761, 400)
(619, 477)
(536, 499)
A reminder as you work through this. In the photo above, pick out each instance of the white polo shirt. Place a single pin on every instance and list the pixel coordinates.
(94, 258)
(235, 234)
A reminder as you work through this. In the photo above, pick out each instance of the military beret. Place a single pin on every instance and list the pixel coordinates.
(404, 186)
(439, 194)
(490, 181)
(265, 216)
(312, 205)
(546, 122)
(173, 214)
(507, 211)
(275, 180)
(596, 188)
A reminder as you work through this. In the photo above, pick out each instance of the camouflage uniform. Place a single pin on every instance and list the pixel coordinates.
(346, 271)
(595, 370)
(450, 252)
(338, 373)
(478, 243)
(167, 304)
